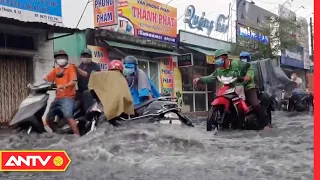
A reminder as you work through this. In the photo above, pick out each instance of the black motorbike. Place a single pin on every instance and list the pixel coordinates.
(297, 102)
(163, 110)
(30, 112)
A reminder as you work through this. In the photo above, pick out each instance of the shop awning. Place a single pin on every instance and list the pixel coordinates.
(129, 46)
(201, 50)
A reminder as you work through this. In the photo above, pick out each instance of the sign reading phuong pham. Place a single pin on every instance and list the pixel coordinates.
(47, 11)
(105, 13)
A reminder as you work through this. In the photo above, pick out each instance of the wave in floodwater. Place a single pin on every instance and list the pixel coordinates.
(149, 151)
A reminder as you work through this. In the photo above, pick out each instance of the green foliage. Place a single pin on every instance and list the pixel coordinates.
(280, 34)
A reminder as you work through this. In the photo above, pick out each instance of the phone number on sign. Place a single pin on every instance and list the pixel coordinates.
(155, 36)
(46, 17)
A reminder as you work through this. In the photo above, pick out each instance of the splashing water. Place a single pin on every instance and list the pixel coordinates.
(148, 151)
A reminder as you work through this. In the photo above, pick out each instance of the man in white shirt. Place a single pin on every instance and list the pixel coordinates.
(296, 79)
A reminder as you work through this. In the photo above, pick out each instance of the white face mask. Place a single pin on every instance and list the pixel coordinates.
(244, 60)
(86, 60)
(61, 62)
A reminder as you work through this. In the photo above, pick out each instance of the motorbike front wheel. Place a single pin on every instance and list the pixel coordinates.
(215, 119)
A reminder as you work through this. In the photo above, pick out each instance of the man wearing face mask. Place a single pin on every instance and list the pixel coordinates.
(84, 71)
(65, 78)
(226, 66)
(141, 87)
(245, 56)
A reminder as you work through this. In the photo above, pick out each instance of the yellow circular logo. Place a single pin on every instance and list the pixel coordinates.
(58, 161)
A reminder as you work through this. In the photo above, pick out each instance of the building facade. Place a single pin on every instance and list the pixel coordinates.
(26, 52)
(196, 60)
(295, 59)
(26, 49)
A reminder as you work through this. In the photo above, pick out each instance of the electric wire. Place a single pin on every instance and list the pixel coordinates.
(84, 10)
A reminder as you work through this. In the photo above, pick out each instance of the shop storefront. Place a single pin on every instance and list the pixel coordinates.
(153, 56)
(152, 39)
(196, 60)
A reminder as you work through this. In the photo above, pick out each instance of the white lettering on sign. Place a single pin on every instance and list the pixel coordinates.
(102, 3)
(28, 161)
(293, 55)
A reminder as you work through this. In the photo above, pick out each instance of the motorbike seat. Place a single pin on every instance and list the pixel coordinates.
(146, 103)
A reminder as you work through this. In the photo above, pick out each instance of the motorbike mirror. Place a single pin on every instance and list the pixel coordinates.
(60, 74)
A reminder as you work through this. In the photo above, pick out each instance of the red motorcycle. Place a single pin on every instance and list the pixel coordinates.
(230, 109)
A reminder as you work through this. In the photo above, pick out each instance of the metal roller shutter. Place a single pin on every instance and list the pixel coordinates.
(15, 73)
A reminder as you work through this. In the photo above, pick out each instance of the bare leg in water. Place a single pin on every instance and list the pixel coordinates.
(74, 126)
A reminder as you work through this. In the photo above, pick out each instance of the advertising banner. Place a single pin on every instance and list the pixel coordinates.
(289, 26)
(251, 15)
(100, 55)
(48, 11)
(293, 57)
(303, 33)
(148, 19)
(200, 22)
(105, 13)
(166, 76)
(251, 38)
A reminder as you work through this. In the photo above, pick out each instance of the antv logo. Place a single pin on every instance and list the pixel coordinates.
(28, 161)
(34, 160)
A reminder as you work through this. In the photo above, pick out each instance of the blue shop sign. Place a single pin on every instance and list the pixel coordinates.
(32, 10)
(249, 33)
(293, 57)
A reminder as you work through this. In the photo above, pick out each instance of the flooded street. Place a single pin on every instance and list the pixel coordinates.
(176, 153)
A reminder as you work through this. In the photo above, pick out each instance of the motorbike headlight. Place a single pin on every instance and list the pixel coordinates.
(229, 91)
(30, 100)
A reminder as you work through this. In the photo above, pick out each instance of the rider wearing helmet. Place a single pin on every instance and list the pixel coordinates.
(141, 87)
(65, 78)
(245, 56)
(84, 71)
(225, 66)
(116, 65)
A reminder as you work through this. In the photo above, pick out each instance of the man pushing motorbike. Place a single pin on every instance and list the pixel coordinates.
(226, 66)
(141, 87)
(65, 78)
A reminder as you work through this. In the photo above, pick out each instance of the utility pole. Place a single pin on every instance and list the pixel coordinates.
(311, 34)
(229, 17)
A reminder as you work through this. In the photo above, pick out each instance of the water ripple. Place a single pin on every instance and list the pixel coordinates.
(148, 151)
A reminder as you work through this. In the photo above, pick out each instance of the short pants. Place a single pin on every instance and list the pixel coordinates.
(61, 105)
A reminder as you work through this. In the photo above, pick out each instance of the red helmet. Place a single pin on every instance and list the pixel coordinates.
(116, 65)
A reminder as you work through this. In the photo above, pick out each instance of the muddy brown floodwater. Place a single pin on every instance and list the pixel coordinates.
(163, 152)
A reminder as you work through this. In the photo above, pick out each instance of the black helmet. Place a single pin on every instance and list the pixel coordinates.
(86, 51)
(59, 53)
(130, 60)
